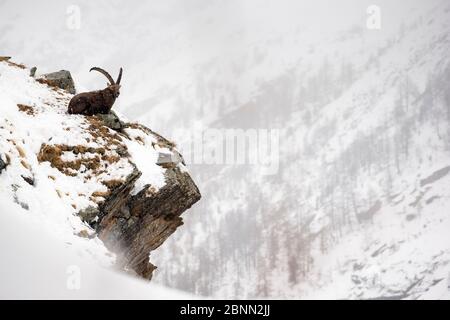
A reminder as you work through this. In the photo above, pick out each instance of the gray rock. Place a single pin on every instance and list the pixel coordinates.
(33, 72)
(164, 158)
(2, 165)
(151, 216)
(61, 79)
(133, 224)
(169, 160)
(89, 214)
(111, 120)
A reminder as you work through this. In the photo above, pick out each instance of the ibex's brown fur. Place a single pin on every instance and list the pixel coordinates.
(101, 101)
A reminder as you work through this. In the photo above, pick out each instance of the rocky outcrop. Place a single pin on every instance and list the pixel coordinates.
(134, 225)
(111, 120)
(124, 181)
(60, 79)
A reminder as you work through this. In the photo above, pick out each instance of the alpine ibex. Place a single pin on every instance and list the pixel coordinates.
(94, 102)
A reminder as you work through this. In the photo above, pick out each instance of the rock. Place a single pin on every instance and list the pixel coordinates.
(146, 220)
(33, 72)
(169, 160)
(29, 180)
(119, 195)
(4, 58)
(3, 165)
(89, 214)
(61, 79)
(111, 120)
(99, 174)
(132, 226)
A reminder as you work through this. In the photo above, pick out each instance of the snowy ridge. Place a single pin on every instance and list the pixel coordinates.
(58, 165)
(61, 152)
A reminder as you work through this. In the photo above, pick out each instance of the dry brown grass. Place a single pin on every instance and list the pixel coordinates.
(25, 164)
(96, 160)
(17, 65)
(49, 83)
(53, 154)
(93, 159)
(26, 109)
(161, 141)
(99, 131)
(21, 152)
(101, 194)
(112, 184)
(85, 234)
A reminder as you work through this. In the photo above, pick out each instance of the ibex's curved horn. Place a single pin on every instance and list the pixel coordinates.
(106, 74)
(119, 77)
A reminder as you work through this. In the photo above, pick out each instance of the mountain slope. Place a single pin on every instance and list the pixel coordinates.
(358, 208)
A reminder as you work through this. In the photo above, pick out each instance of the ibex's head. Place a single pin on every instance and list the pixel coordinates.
(114, 87)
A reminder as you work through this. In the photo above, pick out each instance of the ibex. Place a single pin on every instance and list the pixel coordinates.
(94, 102)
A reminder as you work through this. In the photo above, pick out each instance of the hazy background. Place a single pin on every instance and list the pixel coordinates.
(363, 116)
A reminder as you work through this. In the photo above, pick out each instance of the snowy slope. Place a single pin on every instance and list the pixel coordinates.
(39, 265)
(348, 216)
(60, 152)
(58, 165)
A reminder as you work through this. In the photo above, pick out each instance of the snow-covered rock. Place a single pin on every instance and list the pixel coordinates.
(84, 179)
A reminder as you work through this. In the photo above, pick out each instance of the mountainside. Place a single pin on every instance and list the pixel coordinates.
(359, 205)
(38, 265)
(95, 181)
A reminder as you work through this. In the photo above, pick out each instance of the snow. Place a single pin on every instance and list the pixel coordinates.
(37, 265)
(142, 156)
(280, 65)
(40, 231)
